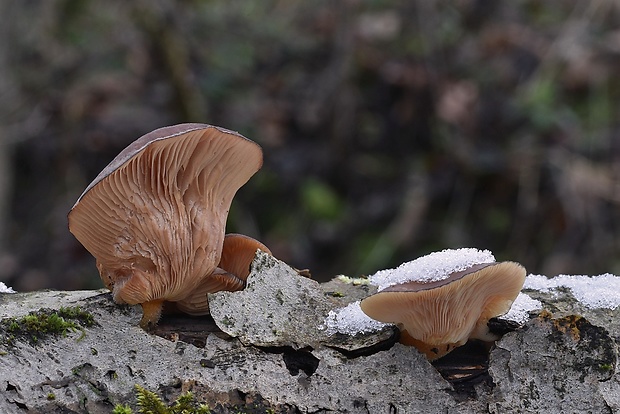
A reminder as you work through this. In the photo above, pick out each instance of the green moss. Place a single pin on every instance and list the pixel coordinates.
(46, 322)
(122, 409)
(151, 403)
(75, 312)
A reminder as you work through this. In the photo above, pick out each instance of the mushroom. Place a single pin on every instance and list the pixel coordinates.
(238, 252)
(440, 315)
(154, 218)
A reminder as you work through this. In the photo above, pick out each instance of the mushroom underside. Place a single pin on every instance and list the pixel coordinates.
(155, 224)
(238, 252)
(438, 320)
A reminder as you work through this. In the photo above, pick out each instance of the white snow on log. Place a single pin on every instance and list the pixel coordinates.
(5, 289)
(432, 267)
(521, 307)
(351, 320)
(602, 291)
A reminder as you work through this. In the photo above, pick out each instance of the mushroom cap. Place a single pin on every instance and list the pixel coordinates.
(446, 313)
(154, 218)
(238, 253)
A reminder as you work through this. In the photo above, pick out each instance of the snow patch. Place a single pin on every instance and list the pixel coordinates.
(351, 320)
(432, 267)
(521, 307)
(5, 289)
(602, 291)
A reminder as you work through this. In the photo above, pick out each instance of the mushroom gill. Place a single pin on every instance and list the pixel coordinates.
(232, 271)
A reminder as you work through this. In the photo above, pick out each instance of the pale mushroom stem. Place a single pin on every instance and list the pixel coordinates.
(151, 312)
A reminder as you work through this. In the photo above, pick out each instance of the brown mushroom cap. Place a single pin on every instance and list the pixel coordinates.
(238, 253)
(233, 270)
(154, 218)
(438, 316)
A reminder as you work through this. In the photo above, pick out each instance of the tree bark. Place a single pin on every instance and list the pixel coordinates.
(251, 360)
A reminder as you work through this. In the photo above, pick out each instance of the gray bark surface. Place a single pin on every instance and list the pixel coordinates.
(264, 349)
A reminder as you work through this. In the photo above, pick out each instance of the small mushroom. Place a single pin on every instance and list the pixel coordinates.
(238, 253)
(154, 218)
(233, 270)
(440, 315)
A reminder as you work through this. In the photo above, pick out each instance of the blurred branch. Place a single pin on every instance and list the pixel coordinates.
(166, 38)
(14, 127)
(10, 135)
(6, 184)
(6, 168)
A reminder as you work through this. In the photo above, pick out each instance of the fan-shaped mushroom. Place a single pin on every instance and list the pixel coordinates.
(154, 218)
(440, 315)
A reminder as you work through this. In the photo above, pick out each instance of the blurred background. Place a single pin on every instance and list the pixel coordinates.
(390, 129)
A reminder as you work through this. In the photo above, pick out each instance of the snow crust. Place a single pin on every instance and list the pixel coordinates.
(602, 291)
(432, 267)
(351, 320)
(519, 311)
(5, 289)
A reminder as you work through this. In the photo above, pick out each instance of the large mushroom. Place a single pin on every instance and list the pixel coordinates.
(154, 218)
(439, 315)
